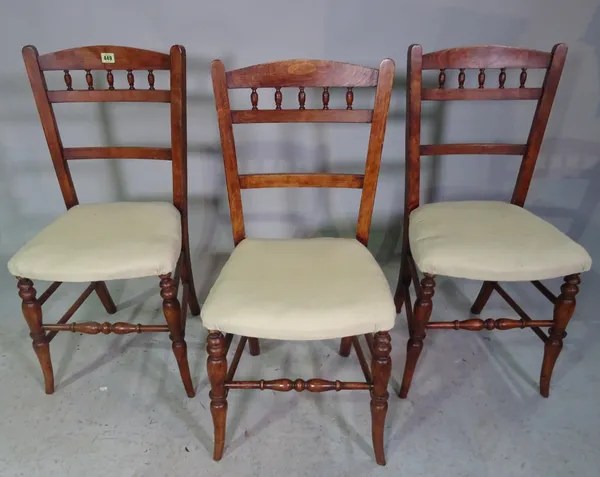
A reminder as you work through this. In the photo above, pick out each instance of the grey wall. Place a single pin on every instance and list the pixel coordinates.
(566, 188)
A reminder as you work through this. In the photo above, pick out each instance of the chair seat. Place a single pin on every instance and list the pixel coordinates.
(488, 240)
(300, 289)
(95, 242)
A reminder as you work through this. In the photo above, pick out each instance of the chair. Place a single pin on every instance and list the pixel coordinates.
(98, 242)
(301, 289)
(484, 240)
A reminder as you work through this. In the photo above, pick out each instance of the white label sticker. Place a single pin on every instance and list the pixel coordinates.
(107, 57)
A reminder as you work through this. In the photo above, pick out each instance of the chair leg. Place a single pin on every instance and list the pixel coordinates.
(254, 346)
(172, 312)
(404, 280)
(484, 295)
(563, 311)
(345, 346)
(105, 298)
(32, 311)
(421, 315)
(381, 368)
(188, 278)
(216, 365)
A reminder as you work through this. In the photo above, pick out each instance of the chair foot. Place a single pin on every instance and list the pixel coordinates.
(172, 312)
(413, 351)
(254, 346)
(381, 368)
(345, 346)
(105, 298)
(552, 350)
(32, 311)
(563, 312)
(216, 365)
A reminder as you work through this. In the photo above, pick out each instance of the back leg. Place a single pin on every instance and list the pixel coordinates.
(345, 346)
(404, 280)
(484, 295)
(188, 278)
(254, 346)
(105, 298)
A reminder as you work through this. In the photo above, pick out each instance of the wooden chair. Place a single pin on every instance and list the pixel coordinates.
(98, 242)
(301, 289)
(479, 240)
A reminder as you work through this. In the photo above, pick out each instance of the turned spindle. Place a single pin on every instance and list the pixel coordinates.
(68, 80)
(130, 79)
(325, 97)
(502, 78)
(89, 79)
(349, 98)
(301, 98)
(254, 99)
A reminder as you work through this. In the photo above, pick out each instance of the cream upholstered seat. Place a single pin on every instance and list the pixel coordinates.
(488, 240)
(300, 289)
(96, 242)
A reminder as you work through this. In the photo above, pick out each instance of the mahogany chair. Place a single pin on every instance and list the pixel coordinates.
(98, 242)
(484, 240)
(301, 289)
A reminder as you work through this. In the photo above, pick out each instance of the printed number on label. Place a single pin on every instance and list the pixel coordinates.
(107, 57)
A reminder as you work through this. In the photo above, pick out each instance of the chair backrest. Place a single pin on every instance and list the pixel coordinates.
(303, 74)
(112, 59)
(480, 58)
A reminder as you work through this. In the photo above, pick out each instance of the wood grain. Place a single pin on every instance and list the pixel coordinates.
(157, 153)
(488, 149)
(110, 96)
(307, 73)
(472, 94)
(302, 116)
(89, 58)
(487, 56)
(259, 181)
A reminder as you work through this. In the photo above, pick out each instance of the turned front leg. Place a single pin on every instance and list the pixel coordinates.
(563, 311)
(172, 312)
(421, 315)
(216, 365)
(32, 311)
(381, 369)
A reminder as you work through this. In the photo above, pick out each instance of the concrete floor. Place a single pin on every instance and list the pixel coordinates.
(120, 410)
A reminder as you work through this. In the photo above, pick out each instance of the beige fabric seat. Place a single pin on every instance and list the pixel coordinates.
(96, 242)
(300, 289)
(495, 241)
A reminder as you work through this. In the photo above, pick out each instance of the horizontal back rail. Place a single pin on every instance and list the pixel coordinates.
(259, 181)
(486, 57)
(156, 153)
(302, 116)
(110, 96)
(475, 94)
(452, 149)
(95, 58)
(308, 73)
